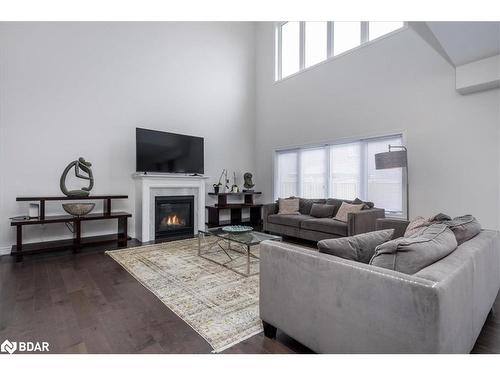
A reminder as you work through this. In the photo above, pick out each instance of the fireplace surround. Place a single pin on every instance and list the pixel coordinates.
(149, 186)
(174, 216)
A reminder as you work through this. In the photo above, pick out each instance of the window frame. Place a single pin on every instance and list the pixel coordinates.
(329, 48)
(363, 166)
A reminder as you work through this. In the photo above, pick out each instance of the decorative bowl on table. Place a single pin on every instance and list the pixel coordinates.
(78, 209)
(235, 229)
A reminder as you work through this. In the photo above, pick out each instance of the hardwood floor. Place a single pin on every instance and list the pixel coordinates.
(87, 303)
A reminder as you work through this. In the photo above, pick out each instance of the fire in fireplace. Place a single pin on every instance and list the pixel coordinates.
(173, 220)
(174, 216)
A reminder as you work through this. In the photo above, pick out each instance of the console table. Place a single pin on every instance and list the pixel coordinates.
(235, 209)
(78, 242)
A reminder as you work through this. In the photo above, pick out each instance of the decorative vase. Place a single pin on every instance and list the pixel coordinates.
(78, 209)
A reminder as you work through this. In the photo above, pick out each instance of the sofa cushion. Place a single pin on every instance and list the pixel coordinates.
(289, 220)
(305, 205)
(464, 227)
(345, 209)
(367, 205)
(288, 206)
(335, 202)
(325, 225)
(411, 254)
(322, 210)
(416, 225)
(359, 248)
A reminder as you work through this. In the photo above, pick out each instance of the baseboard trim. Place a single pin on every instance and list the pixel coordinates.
(5, 250)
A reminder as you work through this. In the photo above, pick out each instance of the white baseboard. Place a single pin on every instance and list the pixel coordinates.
(5, 250)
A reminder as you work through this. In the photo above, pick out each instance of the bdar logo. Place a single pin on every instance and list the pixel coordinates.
(8, 347)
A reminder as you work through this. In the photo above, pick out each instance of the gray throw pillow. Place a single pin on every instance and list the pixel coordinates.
(305, 204)
(464, 227)
(359, 248)
(411, 254)
(367, 204)
(322, 210)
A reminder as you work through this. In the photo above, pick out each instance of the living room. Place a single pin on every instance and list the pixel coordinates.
(250, 187)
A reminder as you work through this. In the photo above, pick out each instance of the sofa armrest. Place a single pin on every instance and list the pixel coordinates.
(334, 305)
(363, 221)
(398, 225)
(268, 209)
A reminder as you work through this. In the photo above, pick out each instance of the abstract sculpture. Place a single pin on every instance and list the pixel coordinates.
(79, 165)
(248, 181)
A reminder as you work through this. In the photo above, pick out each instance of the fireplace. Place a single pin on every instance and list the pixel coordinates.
(174, 217)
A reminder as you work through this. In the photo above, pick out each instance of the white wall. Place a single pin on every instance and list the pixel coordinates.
(80, 89)
(398, 83)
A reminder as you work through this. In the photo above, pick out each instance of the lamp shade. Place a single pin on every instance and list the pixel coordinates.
(391, 159)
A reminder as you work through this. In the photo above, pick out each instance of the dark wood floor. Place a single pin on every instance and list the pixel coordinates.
(87, 303)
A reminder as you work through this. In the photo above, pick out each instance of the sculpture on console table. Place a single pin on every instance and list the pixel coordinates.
(248, 185)
(79, 165)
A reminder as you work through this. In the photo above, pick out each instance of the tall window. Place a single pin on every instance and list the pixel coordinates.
(313, 173)
(290, 54)
(384, 185)
(301, 45)
(346, 36)
(344, 171)
(287, 174)
(377, 29)
(316, 50)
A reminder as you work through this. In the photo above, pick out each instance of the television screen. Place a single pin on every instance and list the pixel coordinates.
(168, 152)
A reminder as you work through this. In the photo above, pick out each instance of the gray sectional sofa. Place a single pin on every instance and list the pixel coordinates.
(316, 229)
(335, 305)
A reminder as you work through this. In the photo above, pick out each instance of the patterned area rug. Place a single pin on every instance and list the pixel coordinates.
(222, 306)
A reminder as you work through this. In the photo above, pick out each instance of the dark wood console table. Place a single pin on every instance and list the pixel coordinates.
(78, 242)
(235, 209)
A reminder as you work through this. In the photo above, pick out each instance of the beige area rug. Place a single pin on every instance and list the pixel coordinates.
(219, 304)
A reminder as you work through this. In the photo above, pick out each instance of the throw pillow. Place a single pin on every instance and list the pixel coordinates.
(411, 254)
(359, 248)
(416, 226)
(366, 204)
(345, 209)
(305, 204)
(289, 206)
(464, 227)
(322, 210)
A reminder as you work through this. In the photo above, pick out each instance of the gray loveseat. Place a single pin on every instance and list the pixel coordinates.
(317, 229)
(334, 305)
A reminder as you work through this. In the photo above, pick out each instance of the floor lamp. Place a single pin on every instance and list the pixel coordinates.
(395, 159)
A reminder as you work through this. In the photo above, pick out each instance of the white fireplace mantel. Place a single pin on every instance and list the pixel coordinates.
(148, 186)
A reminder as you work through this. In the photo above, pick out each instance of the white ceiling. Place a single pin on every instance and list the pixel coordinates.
(465, 42)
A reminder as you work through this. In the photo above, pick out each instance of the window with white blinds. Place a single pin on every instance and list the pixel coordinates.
(345, 171)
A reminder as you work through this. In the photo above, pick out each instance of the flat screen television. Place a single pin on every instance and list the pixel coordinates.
(168, 152)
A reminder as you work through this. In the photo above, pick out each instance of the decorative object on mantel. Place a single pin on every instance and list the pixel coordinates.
(234, 187)
(237, 229)
(80, 164)
(248, 185)
(78, 209)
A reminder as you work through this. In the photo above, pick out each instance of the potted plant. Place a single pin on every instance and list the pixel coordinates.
(217, 187)
(218, 184)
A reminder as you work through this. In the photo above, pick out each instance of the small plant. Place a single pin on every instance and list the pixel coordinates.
(219, 184)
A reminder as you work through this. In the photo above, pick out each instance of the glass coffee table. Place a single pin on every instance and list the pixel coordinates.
(238, 252)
